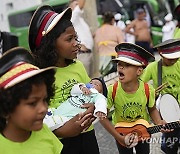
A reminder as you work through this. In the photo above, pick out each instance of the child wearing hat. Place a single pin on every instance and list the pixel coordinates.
(54, 42)
(170, 67)
(93, 92)
(24, 94)
(133, 98)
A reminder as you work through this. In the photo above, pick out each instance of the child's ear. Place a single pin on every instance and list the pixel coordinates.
(139, 71)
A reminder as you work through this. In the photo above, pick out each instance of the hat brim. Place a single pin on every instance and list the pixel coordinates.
(65, 14)
(128, 60)
(26, 76)
(174, 55)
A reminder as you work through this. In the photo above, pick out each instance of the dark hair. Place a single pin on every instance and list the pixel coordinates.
(10, 98)
(46, 55)
(108, 16)
(104, 87)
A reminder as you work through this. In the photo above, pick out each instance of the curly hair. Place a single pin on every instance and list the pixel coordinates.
(46, 55)
(10, 98)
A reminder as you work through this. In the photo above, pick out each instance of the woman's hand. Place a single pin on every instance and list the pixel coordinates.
(74, 126)
(130, 140)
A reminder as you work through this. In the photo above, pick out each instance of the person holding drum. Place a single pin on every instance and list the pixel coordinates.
(167, 70)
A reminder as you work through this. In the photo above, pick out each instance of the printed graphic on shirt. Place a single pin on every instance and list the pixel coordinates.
(172, 87)
(66, 88)
(132, 111)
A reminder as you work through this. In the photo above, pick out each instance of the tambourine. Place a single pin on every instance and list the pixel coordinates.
(168, 107)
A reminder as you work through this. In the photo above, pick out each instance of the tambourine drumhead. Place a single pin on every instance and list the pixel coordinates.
(169, 108)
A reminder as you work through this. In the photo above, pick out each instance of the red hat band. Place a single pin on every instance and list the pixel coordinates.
(44, 25)
(133, 55)
(169, 50)
(16, 71)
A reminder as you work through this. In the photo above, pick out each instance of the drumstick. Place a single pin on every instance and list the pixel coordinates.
(161, 87)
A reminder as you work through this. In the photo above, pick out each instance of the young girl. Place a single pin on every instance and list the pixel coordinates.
(53, 41)
(130, 101)
(24, 92)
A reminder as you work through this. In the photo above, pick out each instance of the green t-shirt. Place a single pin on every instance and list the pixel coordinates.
(40, 142)
(65, 79)
(170, 74)
(177, 33)
(130, 107)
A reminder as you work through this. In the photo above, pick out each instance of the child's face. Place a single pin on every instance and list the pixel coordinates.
(128, 72)
(97, 85)
(30, 112)
(169, 62)
(67, 45)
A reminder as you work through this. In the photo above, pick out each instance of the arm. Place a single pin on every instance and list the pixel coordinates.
(110, 128)
(120, 35)
(81, 4)
(77, 124)
(154, 113)
(128, 28)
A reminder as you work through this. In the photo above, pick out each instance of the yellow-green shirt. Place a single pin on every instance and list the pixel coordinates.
(130, 107)
(170, 74)
(40, 142)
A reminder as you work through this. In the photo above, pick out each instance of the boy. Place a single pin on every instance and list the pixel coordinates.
(93, 92)
(170, 66)
(130, 101)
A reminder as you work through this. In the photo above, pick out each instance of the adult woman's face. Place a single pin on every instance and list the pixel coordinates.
(67, 45)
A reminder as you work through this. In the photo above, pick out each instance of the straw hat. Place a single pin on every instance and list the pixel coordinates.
(16, 65)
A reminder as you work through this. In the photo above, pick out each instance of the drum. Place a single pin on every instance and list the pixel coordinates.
(169, 108)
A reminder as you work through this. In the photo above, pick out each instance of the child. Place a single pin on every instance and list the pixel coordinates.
(24, 94)
(170, 68)
(54, 42)
(80, 94)
(130, 101)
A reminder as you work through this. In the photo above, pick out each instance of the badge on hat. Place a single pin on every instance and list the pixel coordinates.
(133, 54)
(169, 49)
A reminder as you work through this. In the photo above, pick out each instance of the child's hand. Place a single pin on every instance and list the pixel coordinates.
(164, 129)
(130, 140)
(100, 115)
(85, 91)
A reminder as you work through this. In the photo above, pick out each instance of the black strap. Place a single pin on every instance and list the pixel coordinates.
(159, 72)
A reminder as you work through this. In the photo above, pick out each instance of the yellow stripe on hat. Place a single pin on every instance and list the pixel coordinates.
(17, 69)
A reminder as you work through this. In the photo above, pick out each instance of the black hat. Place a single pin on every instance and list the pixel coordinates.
(133, 54)
(16, 65)
(43, 21)
(177, 12)
(105, 91)
(169, 49)
(13, 56)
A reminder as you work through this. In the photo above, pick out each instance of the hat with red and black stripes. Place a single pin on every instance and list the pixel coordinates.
(42, 22)
(169, 49)
(133, 54)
